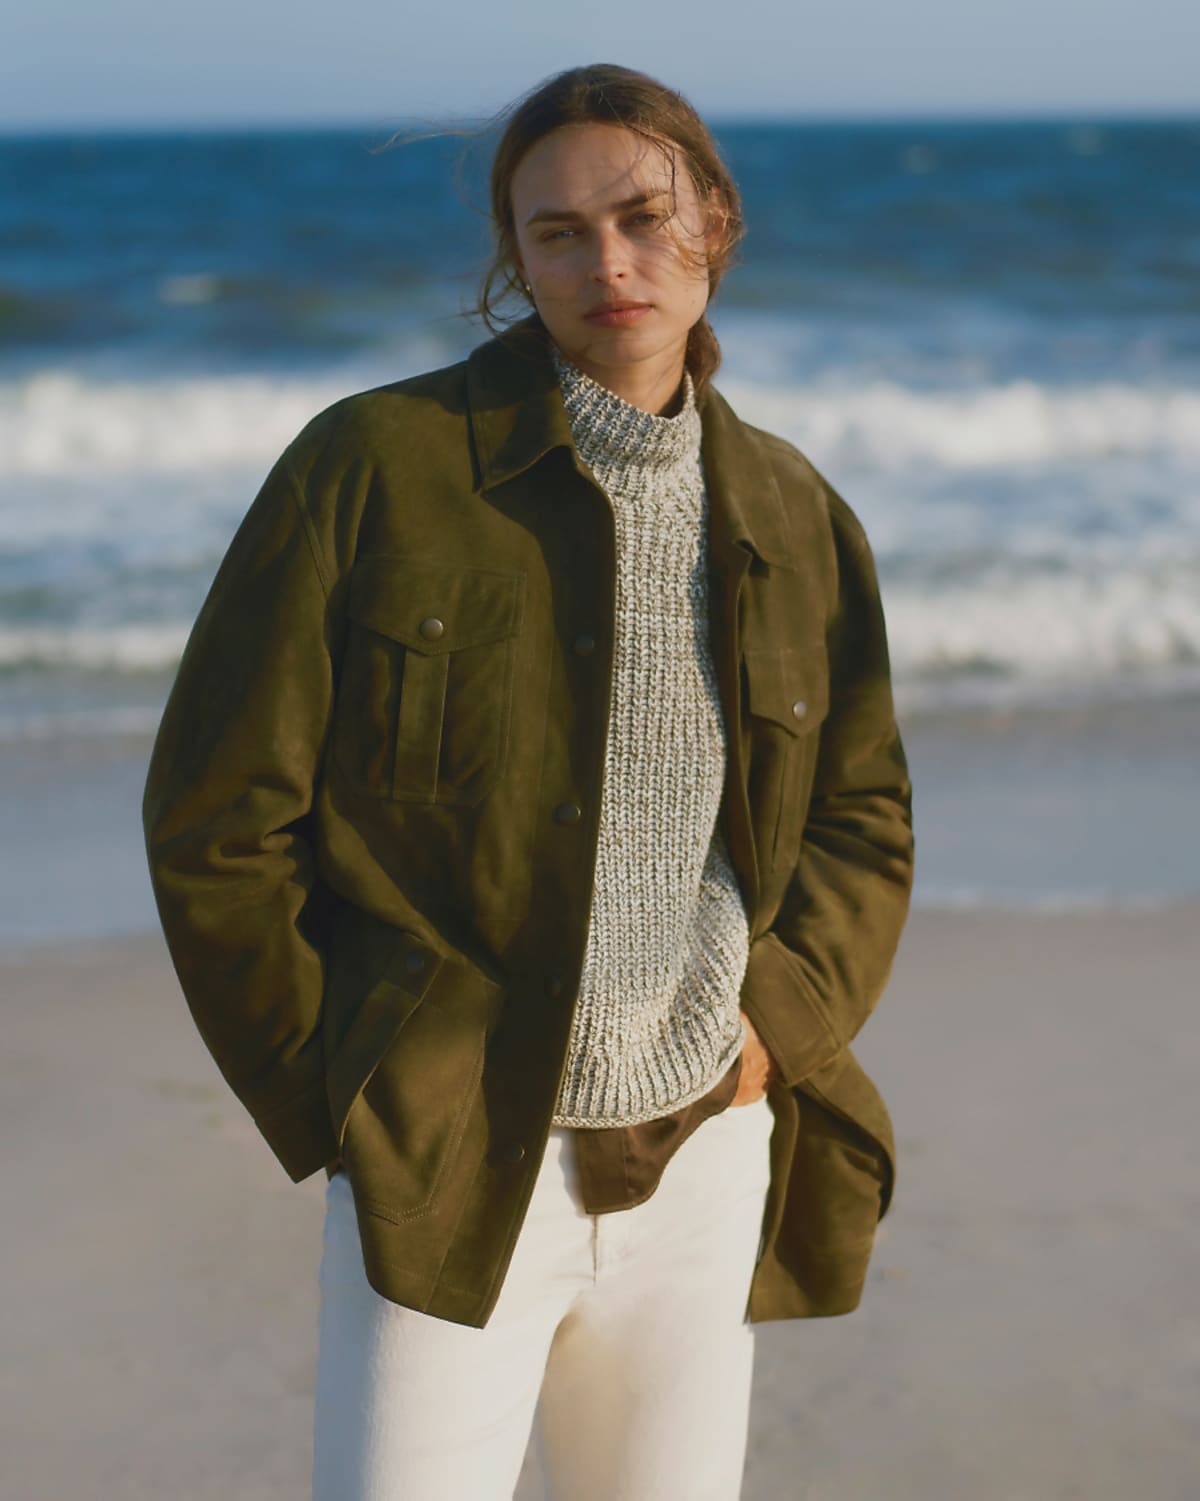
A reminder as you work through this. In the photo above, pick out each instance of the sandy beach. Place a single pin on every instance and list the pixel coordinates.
(1029, 1329)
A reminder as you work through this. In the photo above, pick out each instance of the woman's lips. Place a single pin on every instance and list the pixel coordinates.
(619, 315)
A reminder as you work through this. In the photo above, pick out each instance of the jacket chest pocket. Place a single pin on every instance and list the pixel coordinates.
(788, 699)
(425, 693)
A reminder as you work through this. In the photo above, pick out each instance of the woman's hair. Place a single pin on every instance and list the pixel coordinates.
(604, 94)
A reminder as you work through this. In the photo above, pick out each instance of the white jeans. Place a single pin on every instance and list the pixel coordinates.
(630, 1325)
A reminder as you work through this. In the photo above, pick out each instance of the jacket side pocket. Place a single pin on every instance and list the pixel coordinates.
(404, 1076)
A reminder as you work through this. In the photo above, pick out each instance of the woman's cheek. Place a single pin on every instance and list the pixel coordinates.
(554, 278)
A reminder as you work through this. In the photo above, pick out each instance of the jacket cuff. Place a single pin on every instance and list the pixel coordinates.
(300, 1132)
(788, 1017)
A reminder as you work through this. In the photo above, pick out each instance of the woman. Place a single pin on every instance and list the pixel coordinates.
(531, 833)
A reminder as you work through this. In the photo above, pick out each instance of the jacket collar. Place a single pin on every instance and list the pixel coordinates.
(517, 416)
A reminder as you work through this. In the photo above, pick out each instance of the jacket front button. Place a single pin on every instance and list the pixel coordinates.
(799, 708)
(584, 645)
(557, 984)
(512, 1153)
(431, 628)
(568, 813)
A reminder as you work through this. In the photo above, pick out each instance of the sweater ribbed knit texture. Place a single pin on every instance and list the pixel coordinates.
(656, 1021)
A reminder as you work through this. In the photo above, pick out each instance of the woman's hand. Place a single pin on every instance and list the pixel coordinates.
(759, 1069)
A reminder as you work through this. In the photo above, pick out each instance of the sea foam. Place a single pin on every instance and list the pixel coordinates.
(58, 422)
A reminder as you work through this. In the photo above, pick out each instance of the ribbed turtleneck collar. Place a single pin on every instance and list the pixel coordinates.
(610, 431)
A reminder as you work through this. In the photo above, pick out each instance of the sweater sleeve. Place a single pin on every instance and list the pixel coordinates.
(818, 972)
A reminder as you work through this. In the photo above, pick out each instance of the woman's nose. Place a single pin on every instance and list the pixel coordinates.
(610, 256)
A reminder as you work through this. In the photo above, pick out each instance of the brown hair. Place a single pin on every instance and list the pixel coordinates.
(605, 94)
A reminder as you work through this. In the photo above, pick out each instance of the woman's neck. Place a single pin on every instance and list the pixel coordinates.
(654, 385)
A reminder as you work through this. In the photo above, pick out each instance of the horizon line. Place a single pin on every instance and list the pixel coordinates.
(289, 124)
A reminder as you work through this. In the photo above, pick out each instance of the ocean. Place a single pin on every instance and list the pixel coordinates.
(986, 335)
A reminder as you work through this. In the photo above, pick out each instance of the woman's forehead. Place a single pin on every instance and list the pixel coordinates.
(592, 166)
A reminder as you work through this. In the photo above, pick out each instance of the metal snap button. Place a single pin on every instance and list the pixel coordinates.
(799, 708)
(431, 628)
(568, 813)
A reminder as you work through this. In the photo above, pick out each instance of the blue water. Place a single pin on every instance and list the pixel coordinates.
(986, 335)
(997, 249)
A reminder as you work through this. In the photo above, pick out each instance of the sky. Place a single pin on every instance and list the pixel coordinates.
(69, 63)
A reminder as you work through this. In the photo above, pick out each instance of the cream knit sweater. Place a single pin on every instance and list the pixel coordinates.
(656, 1021)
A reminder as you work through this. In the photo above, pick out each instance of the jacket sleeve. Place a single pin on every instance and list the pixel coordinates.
(819, 970)
(227, 820)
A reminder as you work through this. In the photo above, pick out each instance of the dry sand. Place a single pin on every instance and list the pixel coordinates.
(1030, 1328)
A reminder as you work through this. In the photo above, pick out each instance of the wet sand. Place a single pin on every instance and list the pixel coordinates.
(1029, 1329)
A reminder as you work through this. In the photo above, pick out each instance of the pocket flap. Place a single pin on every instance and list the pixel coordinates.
(469, 999)
(789, 686)
(383, 1011)
(435, 607)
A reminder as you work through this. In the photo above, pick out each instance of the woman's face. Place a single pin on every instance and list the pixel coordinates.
(611, 236)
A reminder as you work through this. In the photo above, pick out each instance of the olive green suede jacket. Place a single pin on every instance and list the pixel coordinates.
(372, 809)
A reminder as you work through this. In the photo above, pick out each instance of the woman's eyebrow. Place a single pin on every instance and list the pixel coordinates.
(559, 214)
